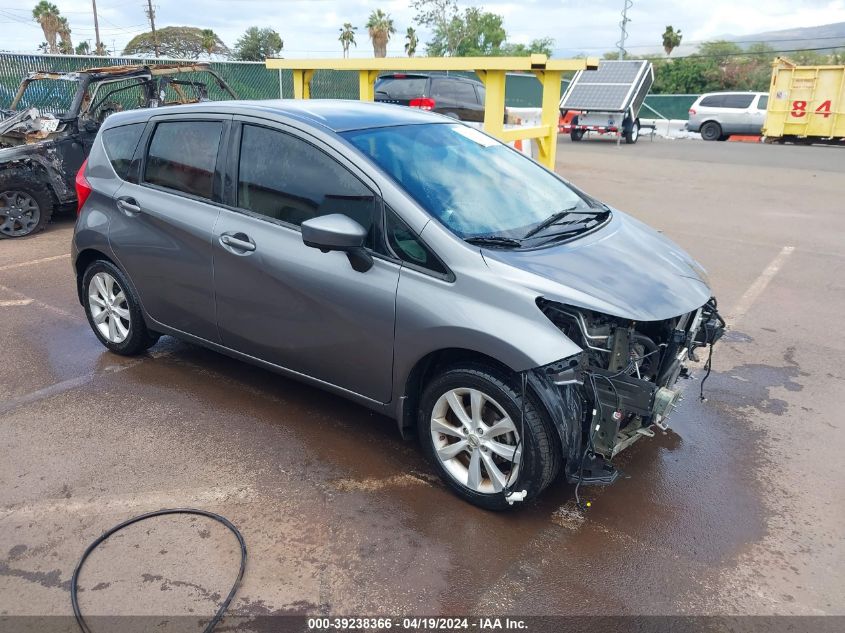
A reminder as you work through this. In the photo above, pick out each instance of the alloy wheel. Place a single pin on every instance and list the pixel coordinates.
(109, 308)
(19, 213)
(475, 440)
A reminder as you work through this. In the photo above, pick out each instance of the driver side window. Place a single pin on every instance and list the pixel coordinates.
(287, 179)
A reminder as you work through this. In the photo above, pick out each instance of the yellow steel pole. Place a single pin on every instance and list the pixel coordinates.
(366, 84)
(550, 115)
(302, 83)
(494, 101)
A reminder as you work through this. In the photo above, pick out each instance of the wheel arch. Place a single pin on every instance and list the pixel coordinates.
(84, 259)
(42, 169)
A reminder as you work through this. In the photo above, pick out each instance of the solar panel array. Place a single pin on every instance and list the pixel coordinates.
(607, 88)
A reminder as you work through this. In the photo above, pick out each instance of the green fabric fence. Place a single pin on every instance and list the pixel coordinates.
(252, 80)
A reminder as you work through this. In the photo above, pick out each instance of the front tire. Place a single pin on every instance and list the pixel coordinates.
(26, 204)
(470, 426)
(114, 311)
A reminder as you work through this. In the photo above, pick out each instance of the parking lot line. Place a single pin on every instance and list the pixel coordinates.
(15, 302)
(38, 303)
(121, 503)
(34, 262)
(756, 289)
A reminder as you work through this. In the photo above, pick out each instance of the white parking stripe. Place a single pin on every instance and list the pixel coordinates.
(15, 302)
(155, 500)
(40, 304)
(756, 289)
(34, 262)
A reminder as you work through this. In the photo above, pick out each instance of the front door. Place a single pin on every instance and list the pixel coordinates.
(283, 302)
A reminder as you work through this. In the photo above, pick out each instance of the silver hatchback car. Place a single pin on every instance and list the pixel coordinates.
(717, 115)
(400, 259)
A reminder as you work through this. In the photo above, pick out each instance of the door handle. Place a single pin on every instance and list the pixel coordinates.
(128, 206)
(240, 243)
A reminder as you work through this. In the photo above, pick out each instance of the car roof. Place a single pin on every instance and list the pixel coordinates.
(336, 115)
(731, 92)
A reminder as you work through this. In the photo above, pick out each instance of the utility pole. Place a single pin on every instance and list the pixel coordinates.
(623, 26)
(151, 15)
(99, 46)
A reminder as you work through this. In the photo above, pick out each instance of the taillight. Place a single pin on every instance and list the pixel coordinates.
(83, 187)
(692, 112)
(423, 103)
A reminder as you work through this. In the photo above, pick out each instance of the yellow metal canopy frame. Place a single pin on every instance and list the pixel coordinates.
(491, 71)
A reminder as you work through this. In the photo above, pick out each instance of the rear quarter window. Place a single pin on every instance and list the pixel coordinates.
(738, 101)
(120, 144)
(714, 101)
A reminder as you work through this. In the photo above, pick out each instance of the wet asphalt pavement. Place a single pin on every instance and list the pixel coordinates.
(738, 509)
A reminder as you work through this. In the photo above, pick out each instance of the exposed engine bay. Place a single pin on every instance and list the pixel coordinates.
(626, 376)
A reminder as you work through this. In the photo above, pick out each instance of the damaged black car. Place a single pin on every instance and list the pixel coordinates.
(47, 131)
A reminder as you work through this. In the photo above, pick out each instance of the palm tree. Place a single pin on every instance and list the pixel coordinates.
(209, 41)
(347, 37)
(83, 48)
(411, 41)
(380, 27)
(65, 45)
(47, 16)
(671, 39)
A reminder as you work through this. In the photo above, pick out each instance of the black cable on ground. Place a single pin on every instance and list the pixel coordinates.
(216, 517)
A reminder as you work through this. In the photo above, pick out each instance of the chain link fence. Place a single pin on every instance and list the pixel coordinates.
(253, 80)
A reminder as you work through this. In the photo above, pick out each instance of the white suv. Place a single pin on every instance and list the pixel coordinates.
(717, 115)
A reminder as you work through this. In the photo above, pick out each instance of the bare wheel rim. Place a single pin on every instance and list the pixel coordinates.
(635, 132)
(475, 440)
(19, 213)
(109, 308)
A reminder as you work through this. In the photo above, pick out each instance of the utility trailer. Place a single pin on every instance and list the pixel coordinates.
(607, 100)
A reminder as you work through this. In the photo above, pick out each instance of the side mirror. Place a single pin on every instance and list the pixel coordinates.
(337, 232)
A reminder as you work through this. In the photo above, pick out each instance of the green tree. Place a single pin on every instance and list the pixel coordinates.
(380, 27)
(443, 19)
(542, 46)
(211, 43)
(83, 48)
(671, 39)
(257, 44)
(181, 42)
(47, 16)
(65, 43)
(411, 41)
(347, 37)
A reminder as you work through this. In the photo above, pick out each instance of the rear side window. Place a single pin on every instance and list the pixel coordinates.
(120, 143)
(442, 89)
(404, 88)
(737, 101)
(763, 103)
(465, 92)
(285, 178)
(182, 156)
(714, 101)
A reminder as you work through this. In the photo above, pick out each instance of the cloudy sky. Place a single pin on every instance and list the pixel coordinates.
(310, 27)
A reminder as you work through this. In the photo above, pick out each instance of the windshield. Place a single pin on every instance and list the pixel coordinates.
(49, 95)
(473, 184)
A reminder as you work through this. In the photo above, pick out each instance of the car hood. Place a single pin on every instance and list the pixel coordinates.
(625, 269)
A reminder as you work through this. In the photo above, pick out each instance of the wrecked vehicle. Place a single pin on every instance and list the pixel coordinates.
(47, 131)
(402, 260)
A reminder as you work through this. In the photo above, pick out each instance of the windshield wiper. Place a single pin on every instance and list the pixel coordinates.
(557, 217)
(494, 240)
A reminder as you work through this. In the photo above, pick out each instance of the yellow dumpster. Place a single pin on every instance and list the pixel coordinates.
(805, 102)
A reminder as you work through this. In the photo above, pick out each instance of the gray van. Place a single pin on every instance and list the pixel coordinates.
(717, 115)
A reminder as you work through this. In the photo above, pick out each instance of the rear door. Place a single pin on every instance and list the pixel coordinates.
(286, 303)
(162, 226)
(737, 113)
(466, 100)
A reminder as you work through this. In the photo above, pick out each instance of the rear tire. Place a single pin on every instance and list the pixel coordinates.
(26, 203)
(632, 134)
(113, 310)
(711, 131)
(484, 440)
(576, 135)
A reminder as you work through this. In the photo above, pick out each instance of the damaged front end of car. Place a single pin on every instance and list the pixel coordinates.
(622, 384)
